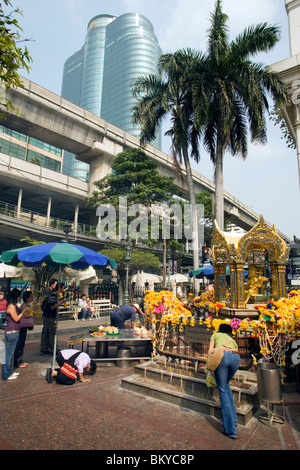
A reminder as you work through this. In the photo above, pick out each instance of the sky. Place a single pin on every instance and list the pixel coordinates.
(267, 181)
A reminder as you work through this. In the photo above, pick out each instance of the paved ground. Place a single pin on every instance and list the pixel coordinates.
(100, 415)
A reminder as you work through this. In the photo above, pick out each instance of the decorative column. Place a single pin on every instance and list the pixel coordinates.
(278, 281)
(237, 286)
(220, 283)
(289, 72)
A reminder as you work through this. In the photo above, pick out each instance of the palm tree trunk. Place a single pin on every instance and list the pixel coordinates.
(219, 190)
(195, 232)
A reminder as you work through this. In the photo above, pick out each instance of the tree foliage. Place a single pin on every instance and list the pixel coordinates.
(218, 96)
(168, 94)
(135, 176)
(231, 91)
(43, 273)
(140, 261)
(277, 117)
(13, 57)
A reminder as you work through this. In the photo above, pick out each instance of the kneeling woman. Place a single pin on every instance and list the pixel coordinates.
(73, 364)
(223, 374)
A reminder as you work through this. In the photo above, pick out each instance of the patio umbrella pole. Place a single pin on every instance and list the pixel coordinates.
(56, 327)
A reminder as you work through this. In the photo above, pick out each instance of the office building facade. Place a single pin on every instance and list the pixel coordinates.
(99, 76)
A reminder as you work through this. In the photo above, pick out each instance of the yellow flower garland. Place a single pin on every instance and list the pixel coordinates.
(278, 323)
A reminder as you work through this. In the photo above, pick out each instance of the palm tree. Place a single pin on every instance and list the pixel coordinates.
(167, 95)
(235, 91)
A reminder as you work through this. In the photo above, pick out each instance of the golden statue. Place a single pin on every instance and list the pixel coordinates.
(251, 249)
(252, 286)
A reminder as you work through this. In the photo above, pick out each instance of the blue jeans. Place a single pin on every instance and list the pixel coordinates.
(116, 321)
(223, 374)
(11, 340)
(86, 313)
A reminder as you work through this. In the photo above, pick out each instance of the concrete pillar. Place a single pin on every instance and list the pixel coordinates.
(293, 12)
(289, 71)
(100, 160)
(297, 130)
(48, 211)
(75, 227)
(84, 286)
(19, 202)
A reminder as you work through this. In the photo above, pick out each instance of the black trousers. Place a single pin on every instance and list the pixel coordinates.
(18, 356)
(61, 378)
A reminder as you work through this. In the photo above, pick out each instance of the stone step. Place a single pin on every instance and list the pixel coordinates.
(188, 392)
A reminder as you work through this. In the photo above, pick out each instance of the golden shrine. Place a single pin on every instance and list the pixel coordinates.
(248, 250)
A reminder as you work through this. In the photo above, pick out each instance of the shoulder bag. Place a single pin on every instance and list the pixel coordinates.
(215, 356)
(27, 322)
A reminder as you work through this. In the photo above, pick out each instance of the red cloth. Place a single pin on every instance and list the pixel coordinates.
(3, 305)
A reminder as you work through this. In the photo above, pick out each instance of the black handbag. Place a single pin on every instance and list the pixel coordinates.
(3, 323)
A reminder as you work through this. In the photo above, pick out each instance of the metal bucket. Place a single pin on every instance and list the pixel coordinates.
(124, 353)
(269, 383)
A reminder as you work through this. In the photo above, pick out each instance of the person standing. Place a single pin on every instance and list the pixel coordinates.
(48, 290)
(52, 286)
(13, 315)
(50, 318)
(223, 374)
(18, 356)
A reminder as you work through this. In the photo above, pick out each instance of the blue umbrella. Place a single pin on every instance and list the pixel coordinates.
(208, 271)
(57, 254)
(203, 271)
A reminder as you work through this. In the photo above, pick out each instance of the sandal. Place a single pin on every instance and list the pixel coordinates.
(13, 376)
(23, 365)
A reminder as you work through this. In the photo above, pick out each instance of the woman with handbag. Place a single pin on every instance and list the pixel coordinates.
(224, 373)
(13, 316)
(26, 322)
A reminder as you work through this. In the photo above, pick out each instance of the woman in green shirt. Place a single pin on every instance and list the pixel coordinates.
(223, 374)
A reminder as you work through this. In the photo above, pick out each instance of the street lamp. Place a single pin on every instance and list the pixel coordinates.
(168, 269)
(127, 261)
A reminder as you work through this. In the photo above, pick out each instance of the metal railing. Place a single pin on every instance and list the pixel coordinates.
(36, 218)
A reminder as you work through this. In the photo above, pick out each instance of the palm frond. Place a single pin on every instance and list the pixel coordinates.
(218, 34)
(254, 39)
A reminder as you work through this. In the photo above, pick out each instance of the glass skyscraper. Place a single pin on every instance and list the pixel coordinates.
(99, 76)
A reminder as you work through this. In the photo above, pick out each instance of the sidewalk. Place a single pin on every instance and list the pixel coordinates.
(100, 415)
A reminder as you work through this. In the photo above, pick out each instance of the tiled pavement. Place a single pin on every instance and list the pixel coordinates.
(100, 415)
